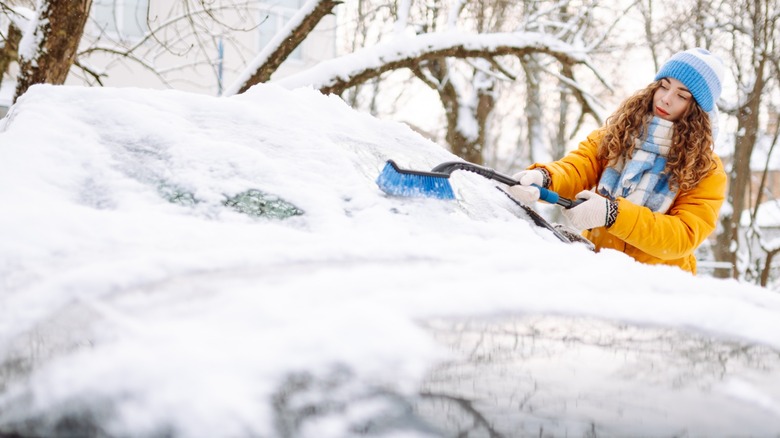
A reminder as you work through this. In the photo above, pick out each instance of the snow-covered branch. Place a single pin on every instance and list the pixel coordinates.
(282, 45)
(338, 74)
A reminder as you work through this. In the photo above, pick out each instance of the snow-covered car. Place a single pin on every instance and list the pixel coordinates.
(182, 265)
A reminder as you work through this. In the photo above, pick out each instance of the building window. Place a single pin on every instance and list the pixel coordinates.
(275, 14)
(125, 19)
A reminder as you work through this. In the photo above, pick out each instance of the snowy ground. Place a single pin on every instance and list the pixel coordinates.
(139, 295)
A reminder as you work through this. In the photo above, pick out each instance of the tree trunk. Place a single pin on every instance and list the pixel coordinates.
(537, 150)
(462, 141)
(739, 180)
(459, 142)
(485, 105)
(10, 51)
(60, 24)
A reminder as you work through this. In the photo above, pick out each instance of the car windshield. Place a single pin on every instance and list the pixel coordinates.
(569, 376)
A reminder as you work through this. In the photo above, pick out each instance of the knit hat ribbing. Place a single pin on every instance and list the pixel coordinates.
(700, 71)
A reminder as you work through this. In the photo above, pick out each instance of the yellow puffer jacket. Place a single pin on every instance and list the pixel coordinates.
(655, 238)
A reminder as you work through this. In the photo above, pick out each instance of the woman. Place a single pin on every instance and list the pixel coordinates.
(658, 185)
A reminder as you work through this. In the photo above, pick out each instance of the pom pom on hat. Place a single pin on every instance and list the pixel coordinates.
(700, 71)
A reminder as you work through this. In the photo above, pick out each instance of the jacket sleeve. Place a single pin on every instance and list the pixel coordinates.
(579, 170)
(677, 233)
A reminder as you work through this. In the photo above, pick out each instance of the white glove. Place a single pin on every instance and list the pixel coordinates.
(524, 192)
(593, 213)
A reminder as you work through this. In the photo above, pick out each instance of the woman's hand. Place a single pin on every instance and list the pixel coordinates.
(525, 192)
(596, 211)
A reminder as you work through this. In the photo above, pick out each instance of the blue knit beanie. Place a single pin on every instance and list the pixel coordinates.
(700, 71)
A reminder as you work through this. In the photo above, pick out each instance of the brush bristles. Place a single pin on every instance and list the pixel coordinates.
(398, 182)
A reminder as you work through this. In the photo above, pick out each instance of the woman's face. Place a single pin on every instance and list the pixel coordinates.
(671, 99)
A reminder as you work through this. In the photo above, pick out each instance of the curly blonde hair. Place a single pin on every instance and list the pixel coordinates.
(690, 156)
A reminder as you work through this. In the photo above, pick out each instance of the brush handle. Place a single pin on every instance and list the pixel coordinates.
(554, 198)
(544, 194)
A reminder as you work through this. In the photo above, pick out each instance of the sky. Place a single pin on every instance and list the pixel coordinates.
(134, 295)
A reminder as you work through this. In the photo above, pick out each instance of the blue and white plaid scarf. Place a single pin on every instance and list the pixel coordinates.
(641, 180)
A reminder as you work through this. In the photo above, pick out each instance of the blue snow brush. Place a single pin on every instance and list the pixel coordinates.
(413, 183)
(435, 184)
